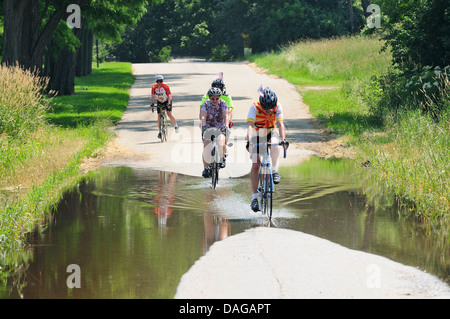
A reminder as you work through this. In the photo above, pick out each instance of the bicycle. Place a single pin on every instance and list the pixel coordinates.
(163, 124)
(266, 186)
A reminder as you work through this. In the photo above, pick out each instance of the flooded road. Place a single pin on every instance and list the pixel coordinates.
(133, 233)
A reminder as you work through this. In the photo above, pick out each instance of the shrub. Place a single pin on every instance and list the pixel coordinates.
(221, 53)
(426, 89)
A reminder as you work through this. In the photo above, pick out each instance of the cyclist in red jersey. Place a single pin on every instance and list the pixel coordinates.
(161, 93)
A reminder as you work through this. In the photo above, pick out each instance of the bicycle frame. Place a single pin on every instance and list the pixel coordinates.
(266, 186)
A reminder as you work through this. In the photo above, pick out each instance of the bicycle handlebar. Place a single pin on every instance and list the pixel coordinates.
(270, 144)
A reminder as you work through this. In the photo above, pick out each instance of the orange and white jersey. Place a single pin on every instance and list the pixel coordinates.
(261, 119)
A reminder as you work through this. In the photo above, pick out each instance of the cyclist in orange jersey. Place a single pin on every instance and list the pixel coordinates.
(265, 124)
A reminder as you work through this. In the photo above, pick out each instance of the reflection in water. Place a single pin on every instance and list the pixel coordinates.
(135, 232)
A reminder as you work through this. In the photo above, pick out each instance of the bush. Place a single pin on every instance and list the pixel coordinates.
(426, 90)
(221, 53)
(22, 102)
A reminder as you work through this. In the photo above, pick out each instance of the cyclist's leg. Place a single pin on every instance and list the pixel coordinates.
(274, 137)
(256, 163)
(206, 158)
(222, 147)
(275, 155)
(158, 110)
(171, 117)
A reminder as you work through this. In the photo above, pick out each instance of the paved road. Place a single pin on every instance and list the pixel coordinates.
(189, 80)
(261, 262)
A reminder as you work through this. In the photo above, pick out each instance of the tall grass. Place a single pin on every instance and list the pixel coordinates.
(22, 104)
(411, 162)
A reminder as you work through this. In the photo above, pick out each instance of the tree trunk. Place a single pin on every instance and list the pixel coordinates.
(20, 24)
(351, 16)
(365, 4)
(84, 52)
(26, 36)
(60, 68)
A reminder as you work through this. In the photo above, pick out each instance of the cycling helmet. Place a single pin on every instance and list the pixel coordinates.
(218, 83)
(268, 99)
(159, 78)
(214, 92)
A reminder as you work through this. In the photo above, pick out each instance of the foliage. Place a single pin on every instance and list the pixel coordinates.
(274, 23)
(221, 52)
(426, 90)
(199, 27)
(418, 32)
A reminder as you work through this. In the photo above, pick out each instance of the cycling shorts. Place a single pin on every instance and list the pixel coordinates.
(163, 105)
(213, 131)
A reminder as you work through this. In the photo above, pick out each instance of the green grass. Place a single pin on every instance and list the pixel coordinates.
(342, 114)
(325, 62)
(411, 162)
(102, 95)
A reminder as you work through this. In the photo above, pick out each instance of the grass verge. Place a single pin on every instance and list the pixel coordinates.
(36, 171)
(408, 153)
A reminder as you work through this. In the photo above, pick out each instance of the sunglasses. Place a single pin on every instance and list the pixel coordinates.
(214, 99)
(159, 81)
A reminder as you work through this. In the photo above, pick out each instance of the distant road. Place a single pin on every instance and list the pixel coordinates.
(189, 79)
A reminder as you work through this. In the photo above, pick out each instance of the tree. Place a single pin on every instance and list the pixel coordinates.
(30, 27)
(418, 32)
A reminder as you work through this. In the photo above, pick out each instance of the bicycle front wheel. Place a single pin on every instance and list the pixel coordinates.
(266, 195)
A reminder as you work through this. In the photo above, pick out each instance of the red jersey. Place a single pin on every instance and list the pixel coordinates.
(161, 93)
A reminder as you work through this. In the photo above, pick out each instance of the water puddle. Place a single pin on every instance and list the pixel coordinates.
(133, 233)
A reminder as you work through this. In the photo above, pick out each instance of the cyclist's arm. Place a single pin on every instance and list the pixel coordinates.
(153, 95)
(205, 97)
(225, 117)
(203, 114)
(281, 129)
(250, 130)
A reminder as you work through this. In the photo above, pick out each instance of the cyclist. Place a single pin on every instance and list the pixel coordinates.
(161, 92)
(265, 124)
(214, 116)
(218, 83)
